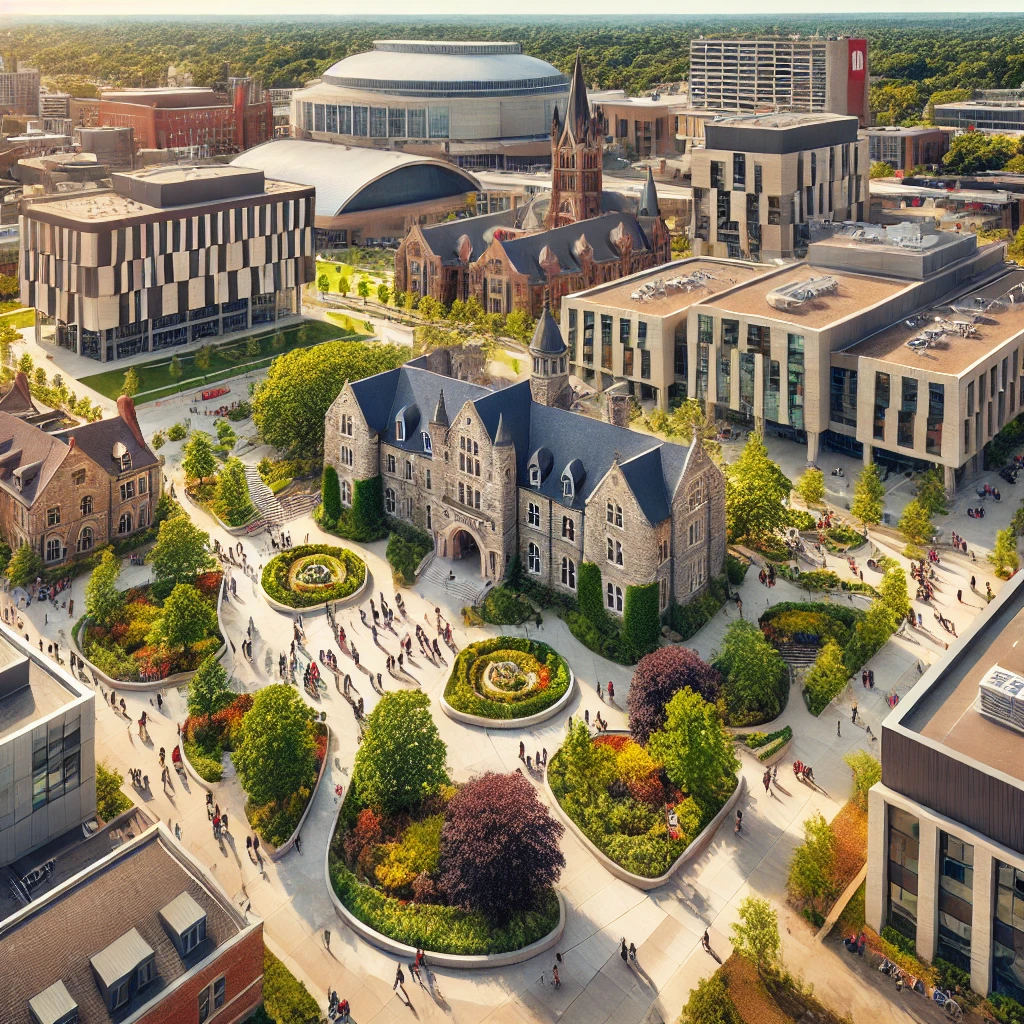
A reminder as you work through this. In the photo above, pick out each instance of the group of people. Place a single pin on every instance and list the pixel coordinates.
(540, 759)
(280, 544)
(218, 818)
(988, 491)
(767, 575)
(959, 543)
(770, 775)
(924, 574)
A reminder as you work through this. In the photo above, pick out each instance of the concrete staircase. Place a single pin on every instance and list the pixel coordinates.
(467, 587)
(798, 655)
(271, 511)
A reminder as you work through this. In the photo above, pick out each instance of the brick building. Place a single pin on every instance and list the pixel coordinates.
(507, 263)
(144, 934)
(492, 475)
(193, 122)
(68, 492)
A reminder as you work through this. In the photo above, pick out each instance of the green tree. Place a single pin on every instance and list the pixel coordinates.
(231, 500)
(187, 618)
(174, 370)
(344, 284)
(689, 418)
(110, 801)
(383, 293)
(102, 598)
(931, 491)
(695, 749)
(812, 869)
(330, 491)
(1004, 555)
(973, 152)
(944, 96)
(402, 759)
(474, 310)
(896, 103)
(131, 384)
(40, 377)
(276, 754)
(252, 347)
(208, 690)
(710, 1003)
(204, 357)
(587, 768)
(8, 336)
(868, 496)
(25, 364)
(754, 493)
(893, 591)
(882, 170)
(323, 283)
(755, 936)
(811, 486)
(180, 553)
(867, 770)
(24, 566)
(519, 325)
(198, 460)
(363, 289)
(825, 678)
(289, 407)
(430, 308)
(756, 680)
(916, 522)
(870, 636)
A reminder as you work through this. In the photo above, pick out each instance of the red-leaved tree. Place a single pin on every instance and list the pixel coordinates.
(658, 678)
(499, 847)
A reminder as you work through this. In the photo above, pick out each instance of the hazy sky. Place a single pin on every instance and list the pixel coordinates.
(519, 7)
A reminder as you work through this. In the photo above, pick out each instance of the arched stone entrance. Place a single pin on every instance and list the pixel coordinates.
(461, 543)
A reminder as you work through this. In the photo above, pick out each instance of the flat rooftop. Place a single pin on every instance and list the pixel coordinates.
(950, 353)
(947, 712)
(855, 292)
(721, 275)
(781, 121)
(42, 697)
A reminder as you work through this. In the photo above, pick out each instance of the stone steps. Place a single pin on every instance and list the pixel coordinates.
(271, 510)
(798, 655)
(465, 587)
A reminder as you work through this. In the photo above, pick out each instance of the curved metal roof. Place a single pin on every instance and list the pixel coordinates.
(435, 68)
(351, 178)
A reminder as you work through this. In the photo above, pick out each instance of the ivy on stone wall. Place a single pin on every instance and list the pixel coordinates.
(641, 620)
(589, 594)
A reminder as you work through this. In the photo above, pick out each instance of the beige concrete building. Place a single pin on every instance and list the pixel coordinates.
(760, 181)
(641, 126)
(945, 835)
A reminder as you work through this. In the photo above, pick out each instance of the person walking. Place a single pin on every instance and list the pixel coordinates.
(739, 821)
(522, 751)
(705, 942)
(960, 597)
(555, 980)
(839, 731)
(256, 849)
(632, 952)
(400, 982)
(854, 716)
(623, 952)
(611, 690)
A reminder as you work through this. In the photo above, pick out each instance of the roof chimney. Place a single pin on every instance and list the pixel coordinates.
(126, 410)
(21, 383)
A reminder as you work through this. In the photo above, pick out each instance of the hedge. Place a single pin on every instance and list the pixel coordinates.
(275, 576)
(461, 695)
(285, 999)
(590, 595)
(641, 620)
(207, 768)
(330, 493)
(365, 520)
(504, 607)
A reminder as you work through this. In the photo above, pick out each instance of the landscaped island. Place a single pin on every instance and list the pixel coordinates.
(313, 574)
(466, 870)
(507, 677)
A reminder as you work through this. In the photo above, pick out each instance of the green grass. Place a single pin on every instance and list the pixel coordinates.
(348, 323)
(228, 360)
(19, 318)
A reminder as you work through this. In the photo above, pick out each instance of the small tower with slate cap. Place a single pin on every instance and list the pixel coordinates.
(549, 375)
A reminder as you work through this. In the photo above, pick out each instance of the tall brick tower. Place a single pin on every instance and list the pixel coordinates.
(576, 177)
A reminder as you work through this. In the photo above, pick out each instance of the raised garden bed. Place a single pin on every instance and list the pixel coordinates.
(313, 575)
(767, 747)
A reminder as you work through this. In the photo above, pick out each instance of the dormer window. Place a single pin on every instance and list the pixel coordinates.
(126, 462)
(567, 486)
(426, 443)
(400, 429)
(534, 477)
(123, 968)
(184, 920)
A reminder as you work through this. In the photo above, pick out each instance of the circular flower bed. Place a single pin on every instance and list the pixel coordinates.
(313, 574)
(507, 677)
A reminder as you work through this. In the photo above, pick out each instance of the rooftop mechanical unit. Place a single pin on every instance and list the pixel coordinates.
(1001, 696)
(795, 294)
(662, 287)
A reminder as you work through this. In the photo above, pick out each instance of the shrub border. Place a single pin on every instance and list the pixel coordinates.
(695, 849)
(513, 723)
(348, 599)
(459, 962)
(277, 852)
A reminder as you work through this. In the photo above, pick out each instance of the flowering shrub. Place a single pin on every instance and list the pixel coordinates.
(208, 583)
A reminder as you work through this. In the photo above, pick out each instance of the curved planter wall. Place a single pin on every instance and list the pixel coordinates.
(774, 759)
(234, 531)
(512, 723)
(349, 599)
(196, 777)
(285, 847)
(375, 938)
(695, 849)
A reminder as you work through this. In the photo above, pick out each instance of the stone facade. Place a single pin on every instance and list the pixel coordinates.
(494, 474)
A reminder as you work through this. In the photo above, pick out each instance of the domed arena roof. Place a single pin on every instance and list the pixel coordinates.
(445, 69)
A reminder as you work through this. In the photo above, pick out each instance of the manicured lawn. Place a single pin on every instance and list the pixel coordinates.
(19, 318)
(349, 323)
(228, 360)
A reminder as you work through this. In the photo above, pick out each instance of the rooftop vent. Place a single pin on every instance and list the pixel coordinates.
(185, 923)
(54, 1005)
(793, 295)
(1001, 696)
(660, 287)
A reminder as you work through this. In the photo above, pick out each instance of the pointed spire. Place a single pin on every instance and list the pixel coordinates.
(577, 107)
(502, 437)
(649, 197)
(441, 413)
(547, 338)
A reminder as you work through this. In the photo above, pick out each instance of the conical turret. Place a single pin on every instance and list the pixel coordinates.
(649, 197)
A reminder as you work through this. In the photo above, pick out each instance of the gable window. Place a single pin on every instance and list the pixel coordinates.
(533, 514)
(613, 598)
(697, 495)
(569, 573)
(391, 464)
(426, 443)
(614, 551)
(53, 516)
(610, 513)
(389, 501)
(53, 549)
(346, 493)
(125, 523)
(346, 455)
(78, 477)
(533, 559)
(566, 486)
(568, 528)
(696, 532)
(346, 424)
(128, 490)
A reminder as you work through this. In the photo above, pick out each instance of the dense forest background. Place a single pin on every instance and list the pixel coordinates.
(911, 58)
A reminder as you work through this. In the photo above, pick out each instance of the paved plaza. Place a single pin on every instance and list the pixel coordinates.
(665, 924)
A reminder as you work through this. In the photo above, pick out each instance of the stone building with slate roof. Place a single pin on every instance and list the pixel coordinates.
(492, 474)
(503, 261)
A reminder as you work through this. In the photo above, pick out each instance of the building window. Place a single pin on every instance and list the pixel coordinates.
(696, 532)
(390, 503)
(843, 399)
(698, 494)
(128, 490)
(956, 900)
(614, 551)
(125, 523)
(627, 362)
(85, 539)
(613, 598)
(211, 999)
(78, 477)
(795, 352)
(427, 479)
(904, 837)
(606, 342)
(390, 464)
(698, 573)
(625, 326)
(759, 338)
(438, 122)
(572, 334)
(1008, 932)
(427, 447)
(568, 528)
(408, 469)
(566, 486)
(936, 411)
(533, 559)
(53, 516)
(588, 336)
(126, 462)
(400, 429)
(53, 549)
(569, 573)
(882, 387)
(346, 455)
(143, 485)
(645, 364)
(346, 493)
(533, 514)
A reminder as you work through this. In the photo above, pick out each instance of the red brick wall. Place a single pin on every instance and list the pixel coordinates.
(241, 965)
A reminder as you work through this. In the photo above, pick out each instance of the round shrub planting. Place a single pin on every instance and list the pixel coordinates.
(658, 677)
(507, 677)
(313, 574)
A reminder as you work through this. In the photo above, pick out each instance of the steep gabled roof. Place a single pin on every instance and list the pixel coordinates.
(33, 456)
(99, 439)
(444, 238)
